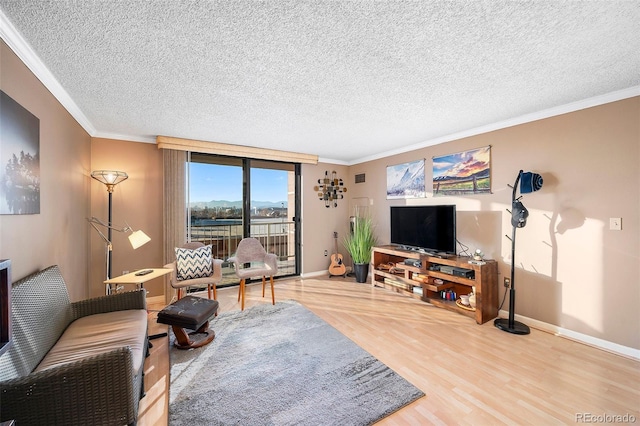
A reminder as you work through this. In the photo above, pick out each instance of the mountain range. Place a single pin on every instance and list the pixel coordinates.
(478, 175)
(236, 204)
(406, 179)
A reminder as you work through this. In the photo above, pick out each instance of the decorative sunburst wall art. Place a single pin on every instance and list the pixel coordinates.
(406, 180)
(19, 158)
(463, 173)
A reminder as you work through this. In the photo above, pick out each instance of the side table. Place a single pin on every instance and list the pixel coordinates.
(137, 277)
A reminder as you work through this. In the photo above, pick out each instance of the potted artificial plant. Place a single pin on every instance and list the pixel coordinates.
(359, 244)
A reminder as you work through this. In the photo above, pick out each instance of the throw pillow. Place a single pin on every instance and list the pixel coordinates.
(194, 263)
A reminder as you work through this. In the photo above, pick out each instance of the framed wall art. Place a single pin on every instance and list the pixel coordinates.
(19, 158)
(406, 180)
(463, 173)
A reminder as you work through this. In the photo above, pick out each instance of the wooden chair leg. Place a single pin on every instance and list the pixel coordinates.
(240, 289)
(179, 293)
(263, 283)
(214, 294)
(273, 295)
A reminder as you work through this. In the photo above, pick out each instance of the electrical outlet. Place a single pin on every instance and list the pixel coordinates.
(507, 282)
(125, 272)
(615, 223)
(326, 253)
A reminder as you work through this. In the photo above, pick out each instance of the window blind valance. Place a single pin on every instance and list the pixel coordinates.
(179, 144)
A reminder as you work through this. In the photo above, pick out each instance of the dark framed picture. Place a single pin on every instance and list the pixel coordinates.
(19, 158)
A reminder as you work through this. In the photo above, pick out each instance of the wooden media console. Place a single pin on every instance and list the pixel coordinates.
(427, 282)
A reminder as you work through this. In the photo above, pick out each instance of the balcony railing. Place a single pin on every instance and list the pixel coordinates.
(276, 237)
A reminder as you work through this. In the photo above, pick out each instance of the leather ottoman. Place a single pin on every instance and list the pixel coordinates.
(191, 313)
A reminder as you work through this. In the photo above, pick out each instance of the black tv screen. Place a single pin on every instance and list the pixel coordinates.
(427, 228)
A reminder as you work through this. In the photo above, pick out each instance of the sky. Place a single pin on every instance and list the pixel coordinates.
(215, 182)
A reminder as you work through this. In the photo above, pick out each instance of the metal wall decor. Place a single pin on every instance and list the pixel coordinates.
(330, 189)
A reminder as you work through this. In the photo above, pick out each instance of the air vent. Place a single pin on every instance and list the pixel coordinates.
(360, 178)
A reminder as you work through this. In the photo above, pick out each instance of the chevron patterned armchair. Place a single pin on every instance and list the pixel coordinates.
(195, 267)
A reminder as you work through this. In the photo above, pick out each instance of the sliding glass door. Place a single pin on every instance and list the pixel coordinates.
(272, 206)
(231, 198)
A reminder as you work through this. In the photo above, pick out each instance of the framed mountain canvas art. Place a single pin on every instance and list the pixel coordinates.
(406, 180)
(463, 173)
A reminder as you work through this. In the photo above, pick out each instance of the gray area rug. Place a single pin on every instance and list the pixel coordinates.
(281, 365)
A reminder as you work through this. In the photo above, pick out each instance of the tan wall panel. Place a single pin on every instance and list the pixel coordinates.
(318, 222)
(59, 234)
(571, 270)
(136, 201)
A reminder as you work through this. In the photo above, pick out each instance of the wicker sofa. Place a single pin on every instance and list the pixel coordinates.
(74, 363)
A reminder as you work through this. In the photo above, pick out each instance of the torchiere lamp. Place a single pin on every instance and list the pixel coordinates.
(138, 238)
(529, 182)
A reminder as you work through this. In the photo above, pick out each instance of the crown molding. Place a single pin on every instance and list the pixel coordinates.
(333, 161)
(23, 50)
(527, 118)
(121, 137)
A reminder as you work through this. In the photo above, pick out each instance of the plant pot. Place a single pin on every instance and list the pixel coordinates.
(362, 271)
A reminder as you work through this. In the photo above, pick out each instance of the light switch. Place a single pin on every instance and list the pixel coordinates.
(615, 223)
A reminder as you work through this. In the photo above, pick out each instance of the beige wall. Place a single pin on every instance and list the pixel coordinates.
(571, 270)
(136, 201)
(59, 234)
(318, 222)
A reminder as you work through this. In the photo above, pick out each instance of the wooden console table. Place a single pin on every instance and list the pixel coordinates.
(420, 281)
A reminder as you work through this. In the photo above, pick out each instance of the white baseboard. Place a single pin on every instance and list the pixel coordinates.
(317, 274)
(314, 274)
(578, 337)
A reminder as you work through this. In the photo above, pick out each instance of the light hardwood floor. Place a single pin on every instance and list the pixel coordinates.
(471, 374)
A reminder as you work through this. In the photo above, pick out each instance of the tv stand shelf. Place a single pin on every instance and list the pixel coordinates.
(419, 282)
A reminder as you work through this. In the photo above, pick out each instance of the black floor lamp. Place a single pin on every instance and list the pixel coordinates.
(529, 182)
(137, 238)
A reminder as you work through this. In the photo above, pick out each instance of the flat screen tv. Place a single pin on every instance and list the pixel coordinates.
(431, 229)
(5, 305)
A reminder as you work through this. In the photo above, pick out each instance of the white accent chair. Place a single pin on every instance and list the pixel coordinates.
(252, 261)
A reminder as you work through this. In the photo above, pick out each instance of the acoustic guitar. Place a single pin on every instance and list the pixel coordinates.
(337, 265)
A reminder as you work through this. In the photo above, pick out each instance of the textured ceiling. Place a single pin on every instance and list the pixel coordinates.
(346, 80)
